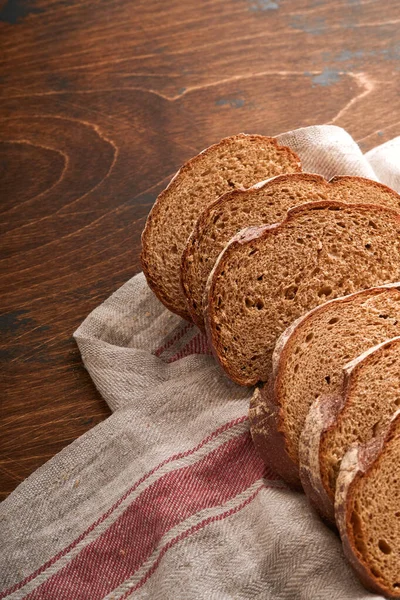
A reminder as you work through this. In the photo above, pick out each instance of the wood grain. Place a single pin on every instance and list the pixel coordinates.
(101, 102)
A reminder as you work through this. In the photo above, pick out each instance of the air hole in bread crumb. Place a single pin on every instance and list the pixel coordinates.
(328, 379)
(253, 251)
(372, 224)
(260, 278)
(174, 249)
(333, 320)
(383, 316)
(375, 572)
(291, 292)
(384, 547)
(296, 368)
(326, 290)
(397, 402)
(375, 429)
(259, 304)
(248, 302)
(309, 337)
(368, 246)
(341, 224)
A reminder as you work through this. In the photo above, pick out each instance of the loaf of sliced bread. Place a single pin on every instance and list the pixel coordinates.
(367, 510)
(235, 162)
(308, 363)
(369, 396)
(268, 276)
(264, 203)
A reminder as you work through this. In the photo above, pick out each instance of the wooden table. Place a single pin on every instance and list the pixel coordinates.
(101, 103)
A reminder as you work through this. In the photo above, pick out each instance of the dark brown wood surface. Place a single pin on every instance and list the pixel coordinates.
(101, 102)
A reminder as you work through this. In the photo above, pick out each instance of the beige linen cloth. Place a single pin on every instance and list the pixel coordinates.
(167, 499)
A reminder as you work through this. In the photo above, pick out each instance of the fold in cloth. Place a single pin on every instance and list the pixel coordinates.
(167, 498)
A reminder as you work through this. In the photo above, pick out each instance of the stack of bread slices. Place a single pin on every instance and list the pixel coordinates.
(296, 282)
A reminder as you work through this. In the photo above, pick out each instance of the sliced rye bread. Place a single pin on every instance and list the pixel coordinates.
(235, 162)
(367, 510)
(268, 276)
(265, 203)
(308, 362)
(369, 396)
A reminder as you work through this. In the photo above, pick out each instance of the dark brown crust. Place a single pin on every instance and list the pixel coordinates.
(338, 179)
(356, 464)
(322, 415)
(258, 233)
(321, 420)
(268, 439)
(282, 352)
(196, 236)
(145, 255)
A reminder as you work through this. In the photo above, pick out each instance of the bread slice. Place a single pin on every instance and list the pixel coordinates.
(264, 203)
(308, 363)
(367, 508)
(268, 276)
(369, 396)
(235, 162)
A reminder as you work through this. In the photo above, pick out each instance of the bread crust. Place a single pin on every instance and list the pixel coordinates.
(322, 415)
(270, 435)
(256, 233)
(264, 424)
(356, 464)
(197, 233)
(146, 253)
(321, 418)
(195, 239)
(339, 179)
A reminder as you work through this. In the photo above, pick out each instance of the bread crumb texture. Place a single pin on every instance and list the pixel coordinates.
(267, 204)
(236, 162)
(311, 365)
(373, 522)
(321, 251)
(371, 398)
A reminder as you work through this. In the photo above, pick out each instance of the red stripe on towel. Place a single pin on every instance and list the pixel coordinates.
(174, 339)
(189, 532)
(118, 553)
(197, 345)
(82, 536)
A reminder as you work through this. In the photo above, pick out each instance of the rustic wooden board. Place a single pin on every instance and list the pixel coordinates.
(101, 103)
